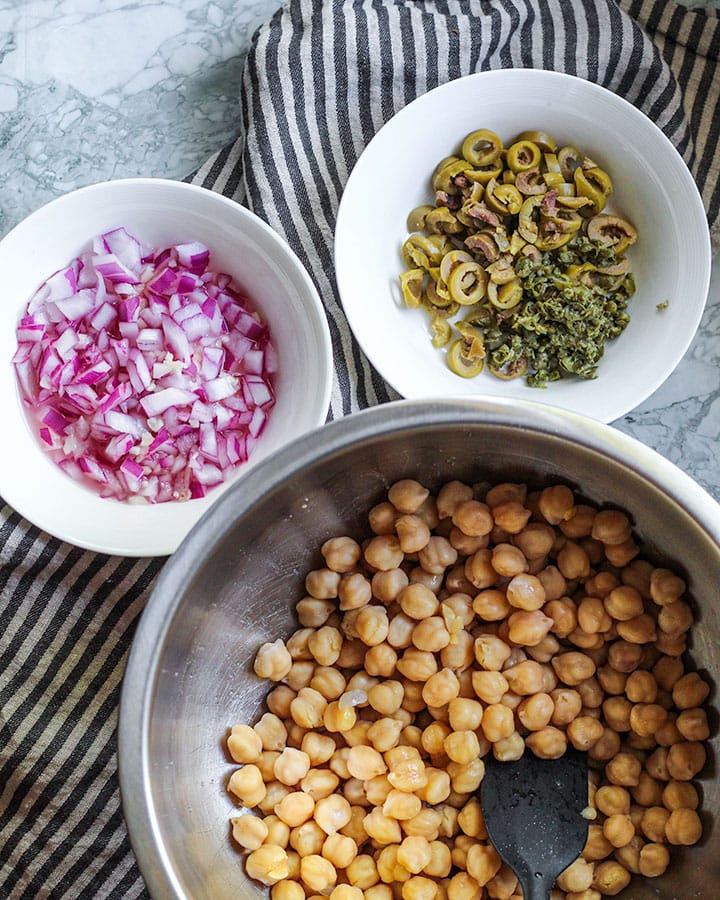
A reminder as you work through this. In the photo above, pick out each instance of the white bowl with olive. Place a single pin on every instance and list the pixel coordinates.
(542, 239)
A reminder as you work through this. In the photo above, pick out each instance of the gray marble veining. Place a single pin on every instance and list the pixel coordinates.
(99, 89)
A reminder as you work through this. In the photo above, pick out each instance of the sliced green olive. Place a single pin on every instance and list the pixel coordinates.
(508, 177)
(565, 220)
(441, 221)
(501, 271)
(551, 163)
(523, 155)
(569, 159)
(411, 284)
(565, 189)
(595, 184)
(505, 296)
(437, 291)
(527, 224)
(443, 178)
(441, 331)
(504, 199)
(425, 251)
(553, 240)
(444, 311)
(466, 356)
(482, 147)
(416, 217)
(517, 242)
(612, 231)
(483, 174)
(546, 143)
(450, 260)
(530, 182)
(552, 179)
(467, 283)
(574, 202)
(509, 370)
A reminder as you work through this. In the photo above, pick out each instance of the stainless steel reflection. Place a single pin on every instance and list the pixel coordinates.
(233, 583)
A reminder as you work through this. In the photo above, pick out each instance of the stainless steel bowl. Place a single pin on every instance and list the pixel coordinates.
(233, 582)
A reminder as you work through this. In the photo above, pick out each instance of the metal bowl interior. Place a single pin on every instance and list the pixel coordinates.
(233, 583)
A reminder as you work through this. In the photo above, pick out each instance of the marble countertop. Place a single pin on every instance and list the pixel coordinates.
(91, 91)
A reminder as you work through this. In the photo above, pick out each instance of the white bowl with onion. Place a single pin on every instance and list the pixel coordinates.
(159, 340)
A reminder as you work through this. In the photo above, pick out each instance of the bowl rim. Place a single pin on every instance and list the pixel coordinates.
(624, 402)
(310, 449)
(154, 540)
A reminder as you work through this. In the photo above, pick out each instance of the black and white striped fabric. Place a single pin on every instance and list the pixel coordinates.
(320, 79)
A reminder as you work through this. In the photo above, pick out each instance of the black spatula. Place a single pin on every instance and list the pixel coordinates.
(533, 815)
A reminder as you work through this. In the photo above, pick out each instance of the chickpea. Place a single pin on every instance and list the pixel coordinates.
(675, 618)
(573, 561)
(308, 838)
(641, 687)
(268, 864)
(418, 602)
(685, 760)
(273, 661)
(431, 634)
(440, 862)
(483, 863)
(247, 785)
(400, 805)
(386, 697)
(610, 878)
(463, 887)
(278, 832)
(629, 855)
(378, 892)
(244, 744)
(489, 686)
(573, 667)
(491, 652)
(381, 660)
(291, 766)
(606, 747)
(313, 613)
(465, 714)
(417, 887)
(584, 732)
(491, 605)
(417, 665)
(249, 831)
(654, 860)
(287, 890)
(683, 827)
(535, 712)
(690, 691)
(425, 824)
(317, 872)
(441, 688)
(509, 748)
(295, 808)
(648, 792)
(525, 678)
(679, 795)
(666, 587)
(597, 846)
(414, 853)
(624, 656)
(381, 828)
(473, 518)
(413, 534)
(567, 706)
(656, 764)
(319, 783)
(508, 560)
(624, 769)
(525, 591)
(308, 708)
(640, 630)
(528, 628)
(535, 540)
(511, 516)
(563, 612)
(407, 495)
(611, 527)
(279, 700)
(592, 617)
(362, 872)
(577, 877)
(498, 722)
(653, 823)
(438, 786)
(618, 829)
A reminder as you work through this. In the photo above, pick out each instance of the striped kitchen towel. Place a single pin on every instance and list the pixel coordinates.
(320, 79)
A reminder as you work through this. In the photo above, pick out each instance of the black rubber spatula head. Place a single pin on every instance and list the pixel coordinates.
(533, 814)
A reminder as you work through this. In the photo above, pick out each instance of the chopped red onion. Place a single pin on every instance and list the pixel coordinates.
(147, 374)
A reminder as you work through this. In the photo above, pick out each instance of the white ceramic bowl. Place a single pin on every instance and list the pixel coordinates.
(159, 212)
(652, 188)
